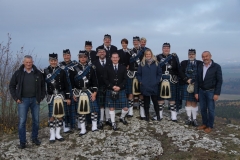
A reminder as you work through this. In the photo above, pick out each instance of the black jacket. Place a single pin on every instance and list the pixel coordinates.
(100, 70)
(92, 84)
(111, 78)
(16, 83)
(108, 53)
(134, 65)
(61, 83)
(92, 56)
(213, 79)
(124, 57)
(183, 77)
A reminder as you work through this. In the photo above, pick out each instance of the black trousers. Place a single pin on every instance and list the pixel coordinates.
(147, 103)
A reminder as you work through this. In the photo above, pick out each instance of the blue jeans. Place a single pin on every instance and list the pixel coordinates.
(22, 115)
(207, 106)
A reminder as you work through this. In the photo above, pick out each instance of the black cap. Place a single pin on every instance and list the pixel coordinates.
(82, 52)
(136, 38)
(192, 51)
(66, 51)
(88, 43)
(166, 45)
(107, 36)
(53, 56)
(100, 49)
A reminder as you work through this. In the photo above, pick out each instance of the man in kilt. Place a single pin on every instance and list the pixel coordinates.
(137, 54)
(188, 74)
(92, 55)
(115, 77)
(100, 64)
(70, 112)
(170, 69)
(84, 82)
(57, 86)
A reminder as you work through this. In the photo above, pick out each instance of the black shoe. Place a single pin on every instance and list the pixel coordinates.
(109, 122)
(60, 139)
(81, 134)
(51, 141)
(36, 141)
(123, 121)
(114, 126)
(130, 116)
(159, 119)
(188, 122)
(175, 121)
(100, 125)
(70, 132)
(142, 118)
(153, 118)
(194, 123)
(22, 146)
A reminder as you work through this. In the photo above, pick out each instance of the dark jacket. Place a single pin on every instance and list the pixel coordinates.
(16, 83)
(135, 51)
(100, 70)
(111, 78)
(213, 79)
(108, 53)
(60, 84)
(149, 76)
(182, 72)
(92, 56)
(124, 57)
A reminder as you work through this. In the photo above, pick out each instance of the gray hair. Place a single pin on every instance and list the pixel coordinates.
(143, 39)
(207, 52)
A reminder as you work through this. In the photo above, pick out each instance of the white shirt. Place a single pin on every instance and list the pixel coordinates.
(104, 60)
(205, 68)
(107, 48)
(114, 66)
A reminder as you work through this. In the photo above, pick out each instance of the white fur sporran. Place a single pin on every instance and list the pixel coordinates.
(190, 88)
(58, 107)
(83, 104)
(165, 91)
(136, 87)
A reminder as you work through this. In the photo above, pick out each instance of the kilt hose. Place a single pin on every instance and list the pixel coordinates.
(120, 103)
(70, 114)
(101, 96)
(173, 88)
(129, 85)
(187, 96)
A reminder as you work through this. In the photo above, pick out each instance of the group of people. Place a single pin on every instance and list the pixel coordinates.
(108, 79)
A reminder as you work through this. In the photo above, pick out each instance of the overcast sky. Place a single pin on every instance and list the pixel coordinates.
(48, 26)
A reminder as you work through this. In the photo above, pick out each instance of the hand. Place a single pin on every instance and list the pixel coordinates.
(189, 81)
(18, 101)
(117, 89)
(68, 102)
(196, 96)
(93, 97)
(215, 97)
(75, 98)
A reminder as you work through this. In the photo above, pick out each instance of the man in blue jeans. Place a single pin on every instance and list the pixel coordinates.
(207, 89)
(27, 88)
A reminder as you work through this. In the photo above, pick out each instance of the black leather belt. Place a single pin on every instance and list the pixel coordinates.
(207, 89)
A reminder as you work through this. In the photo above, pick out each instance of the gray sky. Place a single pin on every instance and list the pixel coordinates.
(51, 26)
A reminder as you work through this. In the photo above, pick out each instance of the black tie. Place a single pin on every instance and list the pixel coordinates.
(103, 63)
(108, 48)
(115, 68)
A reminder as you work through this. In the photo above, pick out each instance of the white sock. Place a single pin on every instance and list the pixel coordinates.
(83, 128)
(65, 129)
(107, 113)
(194, 112)
(58, 136)
(112, 115)
(101, 114)
(142, 112)
(94, 125)
(79, 124)
(52, 134)
(130, 111)
(174, 115)
(123, 113)
(160, 113)
(189, 111)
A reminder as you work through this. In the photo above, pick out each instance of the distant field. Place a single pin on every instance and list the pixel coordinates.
(229, 97)
(231, 73)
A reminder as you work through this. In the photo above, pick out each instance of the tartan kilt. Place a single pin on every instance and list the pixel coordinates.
(101, 96)
(70, 114)
(173, 88)
(129, 85)
(120, 103)
(93, 104)
(187, 96)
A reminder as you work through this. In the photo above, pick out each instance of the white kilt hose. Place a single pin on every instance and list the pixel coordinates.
(119, 103)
